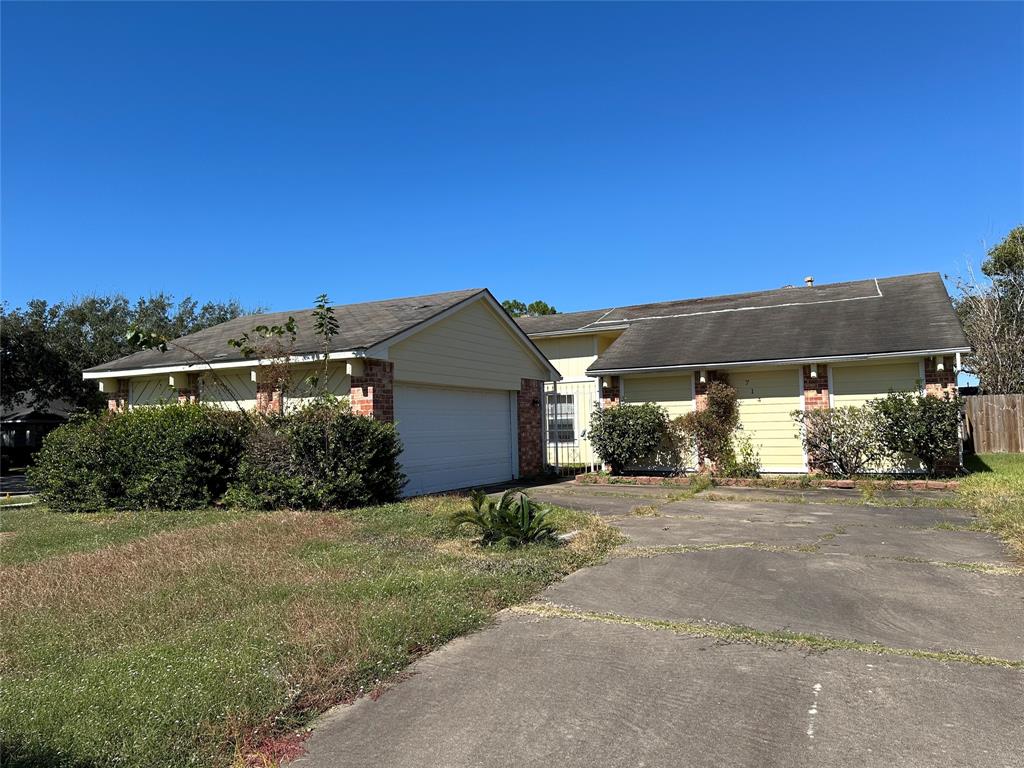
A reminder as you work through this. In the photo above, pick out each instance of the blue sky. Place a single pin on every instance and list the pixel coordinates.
(589, 155)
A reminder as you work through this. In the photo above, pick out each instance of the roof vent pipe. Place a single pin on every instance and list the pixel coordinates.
(809, 281)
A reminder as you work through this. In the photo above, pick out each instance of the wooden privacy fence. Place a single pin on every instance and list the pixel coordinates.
(995, 423)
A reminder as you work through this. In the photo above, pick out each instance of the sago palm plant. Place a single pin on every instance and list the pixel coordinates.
(514, 520)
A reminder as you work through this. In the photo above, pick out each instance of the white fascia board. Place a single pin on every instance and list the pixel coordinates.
(584, 331)
(784, 361)
(380, 350)
(128, 373)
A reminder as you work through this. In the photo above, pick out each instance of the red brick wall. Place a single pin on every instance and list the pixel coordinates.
(610, 391)
(937, 383)
(268, 398)
(529, 405)
(189, 394)
(118, 401)
(815, 389)
(373, 393)
(700, 391)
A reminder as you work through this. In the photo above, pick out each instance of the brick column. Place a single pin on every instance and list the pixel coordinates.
(529, 404)
(118, 401)
(938, 383)
(815, 388)
(373, 393)
(941, 384)
(700, 391)
(610, 392)
(190, 394)
(269, 399)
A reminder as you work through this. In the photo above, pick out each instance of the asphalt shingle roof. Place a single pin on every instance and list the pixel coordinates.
(360, 326)
(894, 314)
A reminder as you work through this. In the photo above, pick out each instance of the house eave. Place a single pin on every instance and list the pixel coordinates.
(127, 373)
(595, 372)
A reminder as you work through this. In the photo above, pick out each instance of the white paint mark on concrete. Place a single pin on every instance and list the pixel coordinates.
(813, 711)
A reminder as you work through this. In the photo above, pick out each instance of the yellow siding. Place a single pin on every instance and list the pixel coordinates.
(674, 393)
(151, 390)
(471, 348)
(301, 392)
(571, 355)
(857, 384)
(767, 397)
(219, 391)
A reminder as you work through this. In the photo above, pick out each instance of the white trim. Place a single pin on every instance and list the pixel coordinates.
(777, 361)
(182, 367)
(803, 406)
(920, 368)
(693, 390)
(583, 330)
(380, 349)
(831, 390)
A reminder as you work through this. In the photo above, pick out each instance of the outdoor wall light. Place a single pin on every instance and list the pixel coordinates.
(703, 377)
(940, 364)
(814, 370)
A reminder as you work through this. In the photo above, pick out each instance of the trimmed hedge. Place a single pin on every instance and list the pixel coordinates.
(186, 456)
(320, 457)
(176, 456)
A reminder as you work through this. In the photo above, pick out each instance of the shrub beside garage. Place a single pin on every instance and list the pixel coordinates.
(187, 456)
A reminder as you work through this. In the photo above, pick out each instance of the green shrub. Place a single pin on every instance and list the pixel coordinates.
(740, 459)
(840, 441)
(708, 433)
(321, 456)
(922, 427)
(164, 456)
(627, 435)
(175, 456)
(66, 472)
(515, 520)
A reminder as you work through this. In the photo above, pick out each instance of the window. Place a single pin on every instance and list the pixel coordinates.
(561, 417)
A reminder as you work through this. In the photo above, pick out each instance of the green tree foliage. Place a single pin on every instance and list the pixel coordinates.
(517, 308)
(991, 309)
(840, 441)
(45, 347)
(1007, 258)
(628, 435)
(922, 427)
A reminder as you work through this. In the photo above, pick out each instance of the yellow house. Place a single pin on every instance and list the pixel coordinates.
(460, 379)
(814, 346)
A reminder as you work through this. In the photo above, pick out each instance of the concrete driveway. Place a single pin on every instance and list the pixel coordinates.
(738, 627)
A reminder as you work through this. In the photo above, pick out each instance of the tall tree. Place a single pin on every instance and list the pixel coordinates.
(517, 308)
(45, 347)
(991, 309)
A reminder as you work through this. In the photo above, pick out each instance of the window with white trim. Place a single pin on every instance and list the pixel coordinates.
(561, 418)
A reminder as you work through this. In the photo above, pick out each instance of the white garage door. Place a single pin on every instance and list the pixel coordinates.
(453, 438)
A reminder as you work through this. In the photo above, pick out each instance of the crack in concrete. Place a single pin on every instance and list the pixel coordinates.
(735, 633)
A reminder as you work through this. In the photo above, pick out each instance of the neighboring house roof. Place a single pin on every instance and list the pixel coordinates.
(27, 410)
(360, 326)
(910, 313)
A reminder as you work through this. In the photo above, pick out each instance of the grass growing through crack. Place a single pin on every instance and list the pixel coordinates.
(170, 640)
(733, 633)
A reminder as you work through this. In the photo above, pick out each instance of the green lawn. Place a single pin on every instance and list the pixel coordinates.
(190, 639)
(995, 491)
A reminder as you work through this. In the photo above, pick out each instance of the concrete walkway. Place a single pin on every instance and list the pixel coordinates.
(762, 631)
